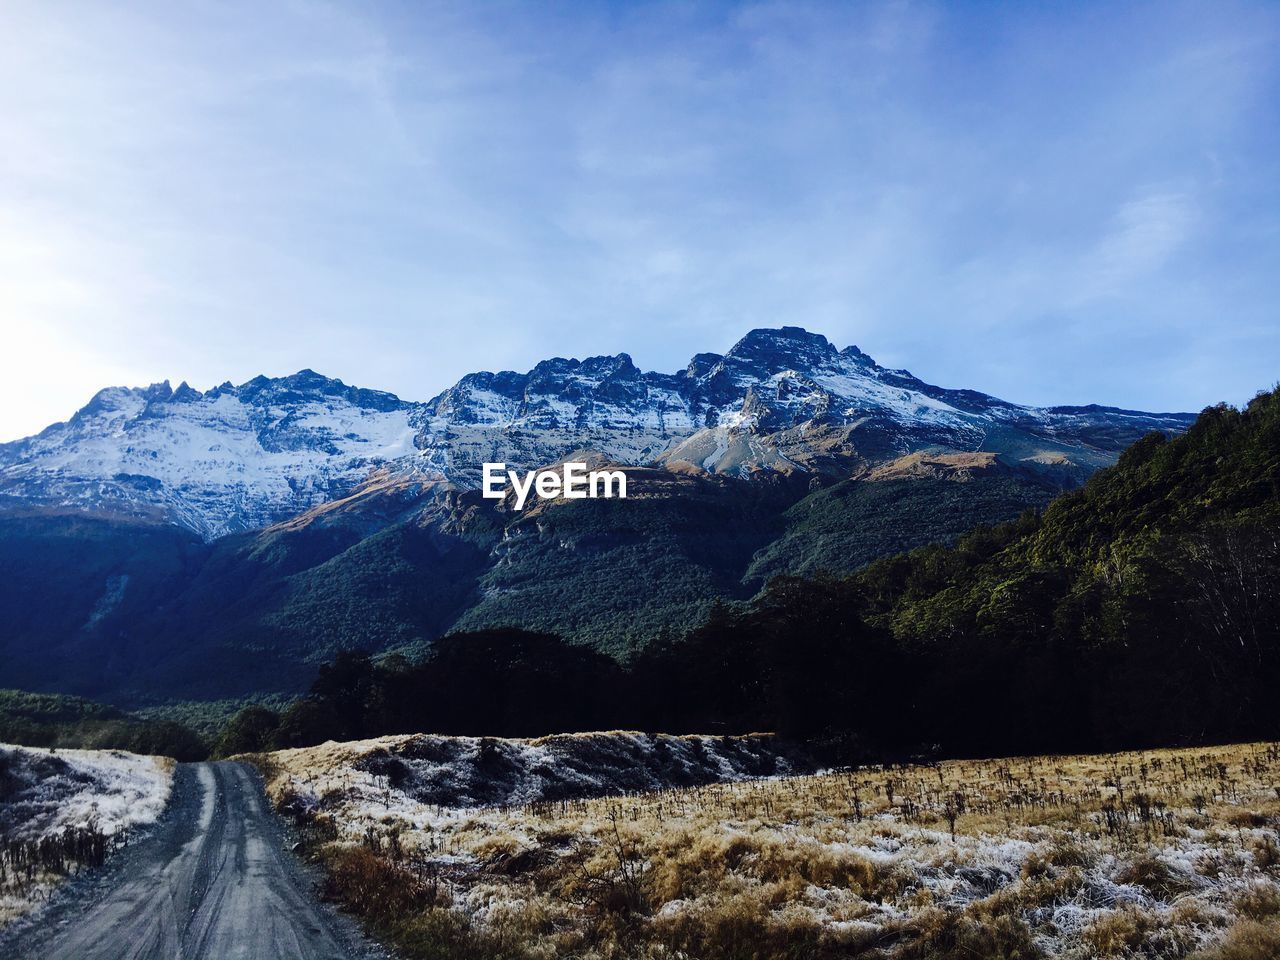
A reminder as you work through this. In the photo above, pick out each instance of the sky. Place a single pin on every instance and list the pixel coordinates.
(1052, 203)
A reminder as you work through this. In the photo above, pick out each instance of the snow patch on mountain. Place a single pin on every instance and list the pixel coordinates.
(237, 458)
(234, 458)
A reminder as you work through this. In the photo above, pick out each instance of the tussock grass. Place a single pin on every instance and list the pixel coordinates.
(1166, 854)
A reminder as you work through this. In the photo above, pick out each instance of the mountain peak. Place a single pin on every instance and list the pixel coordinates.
(305, 380)
(185, 394)
(857, 356)
(773, 336)
(158, 391)
(307, 383)
(781, 348)
(620, 365)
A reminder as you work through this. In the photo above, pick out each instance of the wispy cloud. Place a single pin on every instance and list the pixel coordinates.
(400, 194)
(1139, 242)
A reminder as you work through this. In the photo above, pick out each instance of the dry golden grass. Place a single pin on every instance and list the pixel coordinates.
(1146, 854)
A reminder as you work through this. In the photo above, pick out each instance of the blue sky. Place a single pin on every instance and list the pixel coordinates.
(1052, 203)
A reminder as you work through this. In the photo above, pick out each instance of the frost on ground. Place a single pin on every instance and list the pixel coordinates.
(462, 772)
(63, 810)
(1156, 854)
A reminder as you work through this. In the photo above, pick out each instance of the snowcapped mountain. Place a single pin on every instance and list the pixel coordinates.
(233, 458)
(780, 400)
(601, 404)
(785, 400)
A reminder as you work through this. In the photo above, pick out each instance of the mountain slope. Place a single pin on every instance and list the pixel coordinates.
(175, 544)
(903, 505)
(132, 612)
(67, 582)
(617, 573)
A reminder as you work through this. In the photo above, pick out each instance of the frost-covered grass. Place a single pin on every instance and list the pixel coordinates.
(62, 810)
(1155, 854)
(421, 772)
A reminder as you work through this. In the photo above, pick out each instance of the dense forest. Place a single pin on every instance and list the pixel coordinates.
(137, 614)
(1143, 608)
(58, 721)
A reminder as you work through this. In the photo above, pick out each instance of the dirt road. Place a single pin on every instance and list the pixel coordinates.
(213, 881)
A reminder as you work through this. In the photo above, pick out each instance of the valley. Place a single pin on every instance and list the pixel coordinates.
(754, 480)
(451, 796)
(419, 673)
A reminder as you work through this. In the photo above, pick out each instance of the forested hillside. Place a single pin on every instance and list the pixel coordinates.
(133, 613)
(61, 722)
(1146, 604)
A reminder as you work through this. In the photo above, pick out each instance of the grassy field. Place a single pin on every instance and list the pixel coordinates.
(1166, 853)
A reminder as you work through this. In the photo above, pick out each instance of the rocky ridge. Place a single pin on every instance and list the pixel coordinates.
(780, 401)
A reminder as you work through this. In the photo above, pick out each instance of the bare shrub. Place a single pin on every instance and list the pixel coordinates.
(373, 886)
(1266, 852)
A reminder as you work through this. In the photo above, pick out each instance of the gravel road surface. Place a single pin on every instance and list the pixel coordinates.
(213, 880)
